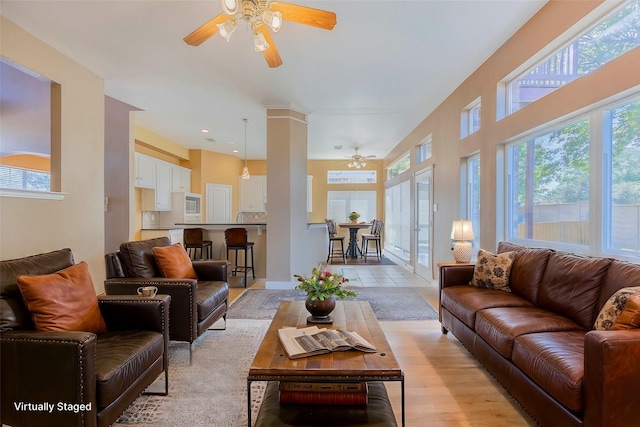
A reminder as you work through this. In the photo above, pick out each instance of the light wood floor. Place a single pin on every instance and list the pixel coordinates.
(444, 384)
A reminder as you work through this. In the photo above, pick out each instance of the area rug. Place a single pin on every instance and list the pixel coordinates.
(212, 390)
(387, 303)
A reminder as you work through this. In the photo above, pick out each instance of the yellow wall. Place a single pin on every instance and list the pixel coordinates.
(215, 168)
(616, 77)
(27, 161)
(31, 226)
(160, 144)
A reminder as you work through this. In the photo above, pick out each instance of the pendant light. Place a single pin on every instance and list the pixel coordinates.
(245, 171)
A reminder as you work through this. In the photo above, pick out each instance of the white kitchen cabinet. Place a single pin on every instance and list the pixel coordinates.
(158, 198)
(180, 179)
(163, 186)
(145, 171)
(253, 194)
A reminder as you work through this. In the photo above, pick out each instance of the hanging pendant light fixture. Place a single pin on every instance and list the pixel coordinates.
(245, 171)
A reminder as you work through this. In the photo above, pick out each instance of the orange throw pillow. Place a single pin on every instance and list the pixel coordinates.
(630, 316)
(174, 263)
(63, 301)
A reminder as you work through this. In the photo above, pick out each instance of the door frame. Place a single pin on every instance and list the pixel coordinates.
(424, 271)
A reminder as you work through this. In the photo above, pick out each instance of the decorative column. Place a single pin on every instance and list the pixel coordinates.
(286, 196)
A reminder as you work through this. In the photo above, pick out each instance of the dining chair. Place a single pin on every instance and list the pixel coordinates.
(375, 237)
(334, 252)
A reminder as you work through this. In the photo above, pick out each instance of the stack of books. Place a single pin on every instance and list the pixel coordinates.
(311, 393)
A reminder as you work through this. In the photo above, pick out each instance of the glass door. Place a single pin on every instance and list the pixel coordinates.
(422, 238)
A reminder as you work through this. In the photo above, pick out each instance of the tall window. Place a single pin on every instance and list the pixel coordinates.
(397, 227)
(621, 179)
(341, 203)
(610, 37)
(473, 198)
(548, 196)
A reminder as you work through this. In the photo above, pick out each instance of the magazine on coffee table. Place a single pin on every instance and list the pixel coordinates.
(311, 341)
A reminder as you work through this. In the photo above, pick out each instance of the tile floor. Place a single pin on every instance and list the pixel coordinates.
(380, 276)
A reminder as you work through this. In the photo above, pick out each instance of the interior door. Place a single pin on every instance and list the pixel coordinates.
(422, 230)
(218, 204)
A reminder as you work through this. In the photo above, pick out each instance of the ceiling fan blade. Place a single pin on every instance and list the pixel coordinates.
(205, 31)
(271, 55)
(305, 15)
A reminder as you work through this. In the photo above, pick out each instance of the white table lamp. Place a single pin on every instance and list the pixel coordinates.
(461, 232)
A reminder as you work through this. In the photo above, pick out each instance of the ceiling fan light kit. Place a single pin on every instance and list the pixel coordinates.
(261, 15)
(358, 161)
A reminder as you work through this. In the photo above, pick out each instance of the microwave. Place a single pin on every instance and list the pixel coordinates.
(192, 204)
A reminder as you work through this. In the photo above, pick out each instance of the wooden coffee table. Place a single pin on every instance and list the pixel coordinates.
(272, 363)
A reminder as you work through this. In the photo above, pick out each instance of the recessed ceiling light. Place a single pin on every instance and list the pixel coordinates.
(210, 139)
(204, 130)
(235, 151)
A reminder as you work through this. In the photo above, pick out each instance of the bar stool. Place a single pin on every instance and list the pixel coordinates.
(376, 229)
(334, 252)
(194, 239)
(236, 240)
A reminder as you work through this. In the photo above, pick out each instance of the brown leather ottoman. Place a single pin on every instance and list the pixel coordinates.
(377, 412)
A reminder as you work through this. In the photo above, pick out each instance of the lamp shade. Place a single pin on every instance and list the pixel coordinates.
(462, 230)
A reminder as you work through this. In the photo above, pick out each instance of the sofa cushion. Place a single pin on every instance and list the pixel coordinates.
(527, 270)
(500, 326)
(14, 314)
(492, 271)
(138, 258)
(174, 263)
(63, 301)
(613, 308)
(571, 286)
(630, 316)
(210, 295)
(555, 361)
(121, 358)
(465, 301)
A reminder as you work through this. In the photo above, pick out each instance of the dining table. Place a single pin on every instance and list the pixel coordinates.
(353, 250)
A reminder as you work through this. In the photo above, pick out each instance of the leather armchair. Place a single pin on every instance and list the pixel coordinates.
(88, 379)
(195, 303)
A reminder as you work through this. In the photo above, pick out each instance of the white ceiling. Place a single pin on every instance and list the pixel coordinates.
(368, 83)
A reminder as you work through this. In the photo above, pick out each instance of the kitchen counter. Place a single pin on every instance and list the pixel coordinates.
(256, 233)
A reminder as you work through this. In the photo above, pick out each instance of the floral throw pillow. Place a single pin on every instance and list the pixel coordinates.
(492, 271)
(614, 306)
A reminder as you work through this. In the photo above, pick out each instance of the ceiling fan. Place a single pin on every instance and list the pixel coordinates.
(358, 161)
(261, 15)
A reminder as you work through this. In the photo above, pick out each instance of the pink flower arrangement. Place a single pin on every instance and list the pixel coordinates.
(323, 284)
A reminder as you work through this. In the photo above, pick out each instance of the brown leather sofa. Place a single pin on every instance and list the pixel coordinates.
(538, 340)
(105, 372)
(195, 303)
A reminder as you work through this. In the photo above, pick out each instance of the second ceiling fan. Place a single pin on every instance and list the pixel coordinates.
(261, 16)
